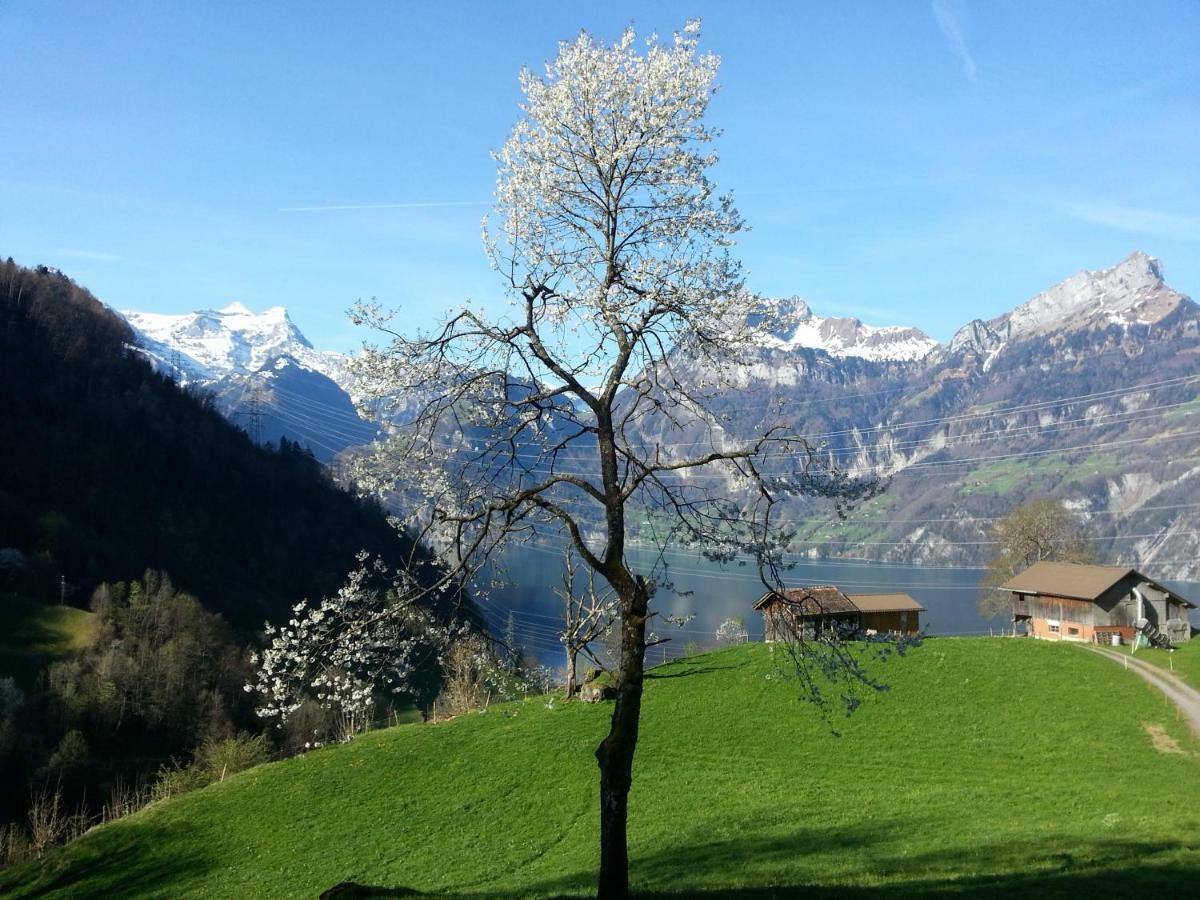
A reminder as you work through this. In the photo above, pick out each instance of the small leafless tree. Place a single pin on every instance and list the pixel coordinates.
(588, 614)
(1037, 530)
(50, 824)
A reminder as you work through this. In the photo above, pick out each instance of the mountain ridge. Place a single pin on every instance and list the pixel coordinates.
(261, 371)
(904, 406)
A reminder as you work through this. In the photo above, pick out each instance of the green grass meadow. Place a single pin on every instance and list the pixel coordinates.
(1184, 660)
(991, 768)
(32, 635)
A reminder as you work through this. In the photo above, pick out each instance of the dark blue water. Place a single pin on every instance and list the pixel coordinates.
(713, 593)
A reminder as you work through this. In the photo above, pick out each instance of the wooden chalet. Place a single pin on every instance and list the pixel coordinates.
(1070, 602)
(809, 611)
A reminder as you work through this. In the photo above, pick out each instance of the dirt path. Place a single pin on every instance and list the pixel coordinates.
(1186, 698)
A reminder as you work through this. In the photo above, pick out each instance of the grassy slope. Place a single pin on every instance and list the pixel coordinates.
(993, 766)
(1184, 661)
(32, 635)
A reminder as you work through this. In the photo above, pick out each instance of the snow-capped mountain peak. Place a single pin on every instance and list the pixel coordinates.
(260, 371)
(1131, 292)
(789, 323)
(215, 343)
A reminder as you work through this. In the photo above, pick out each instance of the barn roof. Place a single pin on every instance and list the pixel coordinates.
(1061, 579)
(1078, 582)
(817, 600)
(825, 599)
(878, 603)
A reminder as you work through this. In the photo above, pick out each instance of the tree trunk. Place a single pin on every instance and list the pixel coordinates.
(572, 685)
(615, 753)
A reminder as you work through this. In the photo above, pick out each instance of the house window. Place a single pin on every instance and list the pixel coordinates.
(1072, 630)
(1054, 629)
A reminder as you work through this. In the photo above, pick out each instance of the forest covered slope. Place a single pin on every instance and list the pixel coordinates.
(108, 468)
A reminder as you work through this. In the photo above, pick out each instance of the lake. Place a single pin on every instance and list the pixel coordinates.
(713, 593)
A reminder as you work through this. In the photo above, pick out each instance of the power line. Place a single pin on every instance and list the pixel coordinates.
(253, 414)
(1109, 394)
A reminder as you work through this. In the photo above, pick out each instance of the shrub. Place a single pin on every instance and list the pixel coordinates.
(464, 687)
(214, 761)
(732, 631)
(49, 822)
(176, 778)
(222, 758)
(15, 846)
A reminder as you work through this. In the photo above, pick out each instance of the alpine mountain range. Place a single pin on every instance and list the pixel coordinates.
(1089, 392)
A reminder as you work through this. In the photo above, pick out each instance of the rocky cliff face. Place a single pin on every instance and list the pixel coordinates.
(1088, 391)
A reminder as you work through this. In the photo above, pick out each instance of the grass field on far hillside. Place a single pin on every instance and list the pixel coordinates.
(992, 768)
(33, 634)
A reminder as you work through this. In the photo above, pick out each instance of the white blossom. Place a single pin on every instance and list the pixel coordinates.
(343, 650)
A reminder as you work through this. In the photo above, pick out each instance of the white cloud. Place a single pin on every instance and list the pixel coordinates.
(951, 19)
(1177, 226)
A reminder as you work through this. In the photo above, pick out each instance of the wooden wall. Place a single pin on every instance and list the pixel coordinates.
(901, 622)
(883, 622)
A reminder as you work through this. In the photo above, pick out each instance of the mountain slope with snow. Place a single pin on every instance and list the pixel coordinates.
(1131, 293)
(262, 372)
(216, 343)
(790, 324)
(1087, 391)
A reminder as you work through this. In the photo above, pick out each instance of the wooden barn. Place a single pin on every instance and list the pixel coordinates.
(811, 610)
(1070, 602)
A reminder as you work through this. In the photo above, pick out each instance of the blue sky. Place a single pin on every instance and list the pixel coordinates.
(920, 162)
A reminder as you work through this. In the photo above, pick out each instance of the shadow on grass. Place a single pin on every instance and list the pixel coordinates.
(1096, 869)
(686, 669)
(758, 869)
(160, 860)
(27, 642)
(128, 861)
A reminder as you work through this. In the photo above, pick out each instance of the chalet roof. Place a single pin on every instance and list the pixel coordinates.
(817, 600)
(825, 599)
(1079, 582)
(873, 603)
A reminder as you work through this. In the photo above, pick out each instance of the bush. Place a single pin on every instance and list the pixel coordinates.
(222, 758)
(15, 846)
(732, 631)
(214, 761)
(175, 778)
(49, 822)
(475, 677)
(464, 687)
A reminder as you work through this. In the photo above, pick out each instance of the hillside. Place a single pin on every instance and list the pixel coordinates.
(992, 768)
(108, 468)
(32, 635)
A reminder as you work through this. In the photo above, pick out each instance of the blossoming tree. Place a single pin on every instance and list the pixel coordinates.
(626, 306)
(347, 649)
